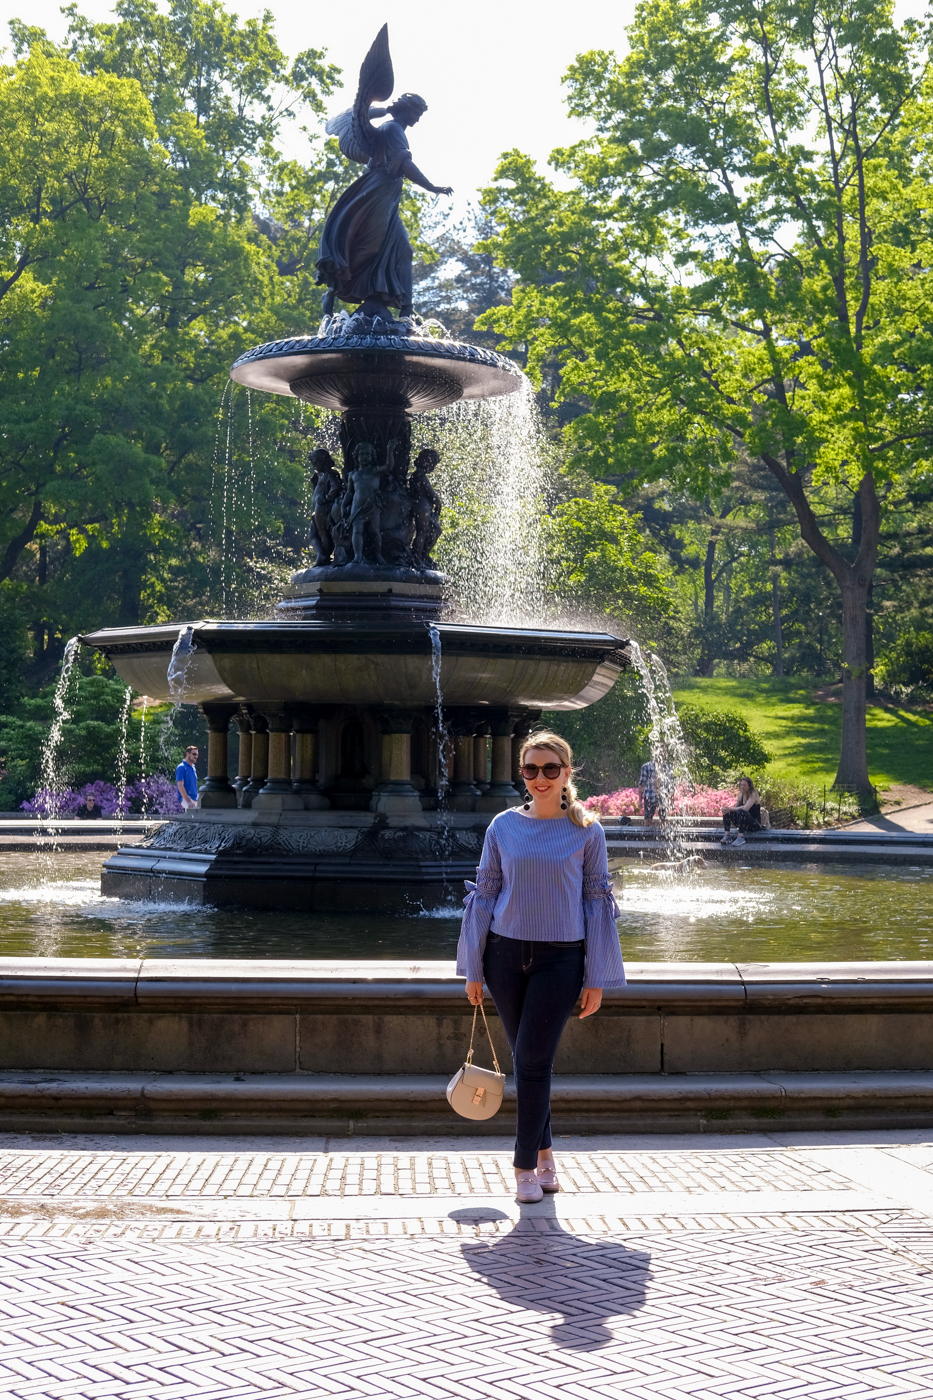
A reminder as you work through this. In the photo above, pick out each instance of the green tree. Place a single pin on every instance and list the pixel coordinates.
(599, 559)
(720, 742)
(134, 268)
(741, 265)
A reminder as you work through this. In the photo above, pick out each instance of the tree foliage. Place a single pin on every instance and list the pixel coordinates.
(741, 266)
(721, 742)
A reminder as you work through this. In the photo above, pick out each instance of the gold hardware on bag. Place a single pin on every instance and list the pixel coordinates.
(474, 1092)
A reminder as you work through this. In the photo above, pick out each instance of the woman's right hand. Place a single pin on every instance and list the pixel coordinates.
(474, 991)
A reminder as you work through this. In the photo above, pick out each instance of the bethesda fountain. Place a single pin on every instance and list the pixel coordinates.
(377, 737)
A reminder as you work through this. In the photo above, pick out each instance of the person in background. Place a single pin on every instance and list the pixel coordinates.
(90, 811)
(186, 779)
(746, 814)
(652, 800)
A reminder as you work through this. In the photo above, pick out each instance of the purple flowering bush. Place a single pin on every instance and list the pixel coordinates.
(155, 796)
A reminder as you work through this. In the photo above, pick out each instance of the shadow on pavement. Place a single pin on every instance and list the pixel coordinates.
(540, 1266)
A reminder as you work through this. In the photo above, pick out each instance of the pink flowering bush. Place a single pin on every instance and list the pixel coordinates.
(698, 802)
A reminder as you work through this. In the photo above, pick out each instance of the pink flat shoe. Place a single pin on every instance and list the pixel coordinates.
(527, 1189)
(547, 1180)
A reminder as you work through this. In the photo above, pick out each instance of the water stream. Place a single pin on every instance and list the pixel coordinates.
(177, 675)
(669, 752)
(122, 755)
(492, 481)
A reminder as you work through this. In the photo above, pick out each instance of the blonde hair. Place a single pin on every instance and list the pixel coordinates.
(544, 739)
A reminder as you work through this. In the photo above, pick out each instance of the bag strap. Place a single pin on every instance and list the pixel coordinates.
(469, 1058)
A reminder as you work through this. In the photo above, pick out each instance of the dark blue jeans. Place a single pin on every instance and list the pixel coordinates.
(535, 987)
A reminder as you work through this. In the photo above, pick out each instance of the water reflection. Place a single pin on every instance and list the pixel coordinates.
(787, 913)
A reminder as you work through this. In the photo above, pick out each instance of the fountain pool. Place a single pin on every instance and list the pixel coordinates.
(793, 913)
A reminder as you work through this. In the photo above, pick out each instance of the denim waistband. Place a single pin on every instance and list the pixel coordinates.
(540, 942)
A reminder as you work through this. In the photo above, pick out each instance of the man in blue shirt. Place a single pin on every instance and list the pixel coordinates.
(186, 779)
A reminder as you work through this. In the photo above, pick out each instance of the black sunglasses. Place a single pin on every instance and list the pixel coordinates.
(550, 770)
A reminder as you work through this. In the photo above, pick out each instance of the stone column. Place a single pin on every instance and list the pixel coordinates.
(276, 794)
(464, 793)
(259, 764)
(480, 758)
(217, 791)
(396, 795)
(502, 792)
(305, 722)
(245, 761)
(524, 725)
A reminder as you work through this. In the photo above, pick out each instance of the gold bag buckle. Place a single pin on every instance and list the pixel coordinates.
(479, 1098)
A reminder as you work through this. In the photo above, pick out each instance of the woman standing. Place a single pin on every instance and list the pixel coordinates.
(539, 927)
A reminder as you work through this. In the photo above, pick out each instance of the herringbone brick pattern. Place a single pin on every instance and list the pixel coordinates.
(226, 1175)
(758, 1314)
(126, 1275)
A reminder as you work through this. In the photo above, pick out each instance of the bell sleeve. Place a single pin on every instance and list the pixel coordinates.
(604, 967)
(479, 907)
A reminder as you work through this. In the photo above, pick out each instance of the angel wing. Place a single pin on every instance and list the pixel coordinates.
(353, 128)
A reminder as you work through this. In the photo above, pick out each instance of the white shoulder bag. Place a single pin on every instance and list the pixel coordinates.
(475, 1092)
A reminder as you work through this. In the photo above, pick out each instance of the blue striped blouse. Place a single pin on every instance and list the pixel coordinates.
(545, 880)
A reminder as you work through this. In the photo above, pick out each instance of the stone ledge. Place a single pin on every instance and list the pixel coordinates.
(412, 1105)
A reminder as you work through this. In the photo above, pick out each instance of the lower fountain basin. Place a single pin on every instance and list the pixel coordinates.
(370, 663)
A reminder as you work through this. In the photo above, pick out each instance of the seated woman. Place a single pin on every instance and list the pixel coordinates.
(746, 814)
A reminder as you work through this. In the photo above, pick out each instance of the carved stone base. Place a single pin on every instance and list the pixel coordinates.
(329, 595)
(368, 866)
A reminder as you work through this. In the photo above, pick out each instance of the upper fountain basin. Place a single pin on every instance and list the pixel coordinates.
(370, 663)
(353, 371)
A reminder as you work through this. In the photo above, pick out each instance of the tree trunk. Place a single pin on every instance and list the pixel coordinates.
(852, 772)
(776, 609)
(870, 642)
(707, 661)
(854, 581)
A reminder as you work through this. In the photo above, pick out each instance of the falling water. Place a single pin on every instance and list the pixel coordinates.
(442, 774)
(53, 782)
(177, 675)
(122, 756)
(666, 742)
(142, 751)
(228, 504)
(215, 460)
(492, 481)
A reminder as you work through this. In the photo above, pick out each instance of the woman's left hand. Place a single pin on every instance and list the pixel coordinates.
(591, 1001)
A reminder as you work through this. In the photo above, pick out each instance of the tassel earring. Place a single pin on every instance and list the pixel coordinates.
(563, 798)
(527, 802)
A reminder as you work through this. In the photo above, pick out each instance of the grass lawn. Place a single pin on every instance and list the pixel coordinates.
(803, 733)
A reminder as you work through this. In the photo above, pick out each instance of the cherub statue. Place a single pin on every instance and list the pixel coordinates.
(426, 508)
(327, 487)
(396, 519)
(362, 503)
(365, 255)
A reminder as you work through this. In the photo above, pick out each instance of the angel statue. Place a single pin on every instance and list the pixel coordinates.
(365, 255)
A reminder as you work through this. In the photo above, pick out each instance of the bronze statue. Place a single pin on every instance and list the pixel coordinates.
(396, 518)
(365, 256)
(362, 503)
(425, 507)
(327, 487)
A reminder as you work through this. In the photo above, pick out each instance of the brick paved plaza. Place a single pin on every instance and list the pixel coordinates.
(763, 1266)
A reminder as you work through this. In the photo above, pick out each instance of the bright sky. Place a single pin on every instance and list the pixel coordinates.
(490, 72)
